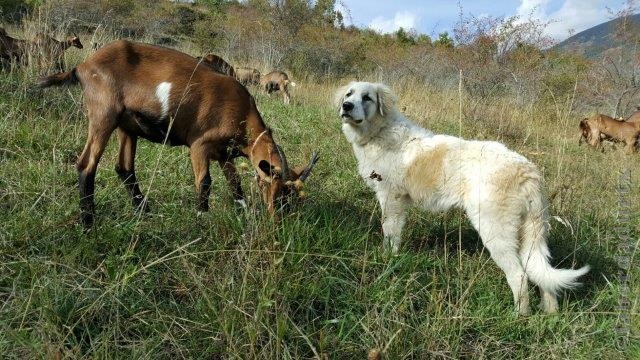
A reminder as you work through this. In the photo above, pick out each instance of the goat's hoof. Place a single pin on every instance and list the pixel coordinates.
(86, 219)
(142, 207)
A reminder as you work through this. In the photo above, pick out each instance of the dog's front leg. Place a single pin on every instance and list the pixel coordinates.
(393, 219)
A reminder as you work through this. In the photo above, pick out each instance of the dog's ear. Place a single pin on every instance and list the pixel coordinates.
(339, 95)
(385, 98)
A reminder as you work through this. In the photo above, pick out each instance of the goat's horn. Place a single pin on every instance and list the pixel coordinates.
(285, 165)
(307, 171)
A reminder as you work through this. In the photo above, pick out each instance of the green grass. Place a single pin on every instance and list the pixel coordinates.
(230, 284)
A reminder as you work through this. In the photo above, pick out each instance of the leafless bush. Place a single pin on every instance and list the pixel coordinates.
(614, 82)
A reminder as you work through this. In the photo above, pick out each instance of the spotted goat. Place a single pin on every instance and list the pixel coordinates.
(168, 97)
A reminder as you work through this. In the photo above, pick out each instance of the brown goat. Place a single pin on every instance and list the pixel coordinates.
(248, 76)
(598, 127)
(166, 96)
(218, 64)
(277, 81)
(11, 48)
(51, 51)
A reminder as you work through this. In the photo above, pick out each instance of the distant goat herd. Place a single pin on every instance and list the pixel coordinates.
(47, 51)
(169, 97)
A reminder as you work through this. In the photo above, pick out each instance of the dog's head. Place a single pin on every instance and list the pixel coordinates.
(360, 102)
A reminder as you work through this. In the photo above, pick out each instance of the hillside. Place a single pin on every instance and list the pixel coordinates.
(594, 41)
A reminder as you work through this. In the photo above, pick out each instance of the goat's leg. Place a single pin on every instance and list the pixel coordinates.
(595, 140)
(630, 146)
(285, 93)
(59, 64)
(230, 173)
(125, 169)
(100, 129)
(200, 159)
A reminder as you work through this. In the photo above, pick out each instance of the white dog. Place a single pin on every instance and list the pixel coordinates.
(499, 189)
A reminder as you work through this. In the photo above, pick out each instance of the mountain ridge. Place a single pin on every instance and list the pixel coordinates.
(594, 41)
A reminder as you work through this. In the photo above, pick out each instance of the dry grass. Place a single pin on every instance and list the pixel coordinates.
(229, 284)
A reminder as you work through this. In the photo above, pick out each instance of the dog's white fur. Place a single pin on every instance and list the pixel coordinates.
(500, 190)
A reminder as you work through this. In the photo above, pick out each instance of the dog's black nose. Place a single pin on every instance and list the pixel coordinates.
(347, 106)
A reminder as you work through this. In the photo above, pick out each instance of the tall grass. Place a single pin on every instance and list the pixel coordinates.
(232, 284)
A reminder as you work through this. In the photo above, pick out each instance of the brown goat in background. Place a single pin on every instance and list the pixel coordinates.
(602, 127)
(248, 76)
(12, 49)
(51, 51)
(277, 81)
(168, 97)
(218, 64)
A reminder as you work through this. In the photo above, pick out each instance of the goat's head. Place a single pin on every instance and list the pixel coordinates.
(584, 130)
(75, 41)
(280, 185)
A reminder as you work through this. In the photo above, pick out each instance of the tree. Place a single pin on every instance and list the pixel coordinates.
(444, 40)
(404, 38)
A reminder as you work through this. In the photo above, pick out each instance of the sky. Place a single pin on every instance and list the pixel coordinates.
(435, 16)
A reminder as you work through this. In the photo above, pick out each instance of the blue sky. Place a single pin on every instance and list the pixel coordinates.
(434, 16)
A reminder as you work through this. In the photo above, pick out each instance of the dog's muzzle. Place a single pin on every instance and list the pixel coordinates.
(345, 113)
(346, 118)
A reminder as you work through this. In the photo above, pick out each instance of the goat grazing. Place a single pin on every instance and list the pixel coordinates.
(277, 81)
(598, 127)
(51, 51)
(248, 76)
(167, 97)
(218, 64)
(11, 48)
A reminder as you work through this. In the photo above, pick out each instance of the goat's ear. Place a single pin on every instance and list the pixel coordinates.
(297, 171)
(385, 98)
(265, 167)
(269, 170)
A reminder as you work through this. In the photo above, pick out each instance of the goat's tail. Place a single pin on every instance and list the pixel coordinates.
(534, 252)
(59, 79)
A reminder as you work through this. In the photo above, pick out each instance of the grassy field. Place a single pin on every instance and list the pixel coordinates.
(229, 284)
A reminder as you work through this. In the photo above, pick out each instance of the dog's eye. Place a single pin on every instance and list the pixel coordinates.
(349, 93)
(366, 98)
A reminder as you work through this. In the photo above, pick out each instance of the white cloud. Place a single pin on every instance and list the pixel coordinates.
(402, 19)
(572, 16)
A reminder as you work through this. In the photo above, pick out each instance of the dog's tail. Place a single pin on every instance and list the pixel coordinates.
(59, 79)
(534, 252)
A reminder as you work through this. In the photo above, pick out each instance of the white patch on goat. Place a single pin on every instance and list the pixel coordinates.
(163, 91)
